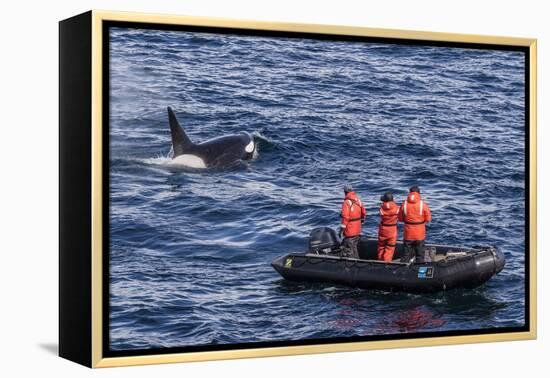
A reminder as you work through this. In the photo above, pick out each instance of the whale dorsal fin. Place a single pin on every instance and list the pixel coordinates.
(180, 140)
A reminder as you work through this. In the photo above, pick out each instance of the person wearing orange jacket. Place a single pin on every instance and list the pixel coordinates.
(387, 229)
(414, 212)
(353, 215)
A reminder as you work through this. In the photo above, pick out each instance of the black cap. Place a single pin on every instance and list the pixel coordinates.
(387, 197)
(414, 188)
(348, 188)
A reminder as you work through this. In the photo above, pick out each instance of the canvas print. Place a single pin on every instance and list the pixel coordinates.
(294, 189)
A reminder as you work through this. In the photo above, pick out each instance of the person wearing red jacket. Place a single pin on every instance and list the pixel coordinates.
(387, 229)
(414, 212)
(353, 215)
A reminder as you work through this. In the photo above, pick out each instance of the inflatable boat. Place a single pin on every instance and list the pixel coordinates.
(451, 266)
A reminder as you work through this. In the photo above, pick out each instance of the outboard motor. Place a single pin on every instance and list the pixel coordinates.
(324, 240)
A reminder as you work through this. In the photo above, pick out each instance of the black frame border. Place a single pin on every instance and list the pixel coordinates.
(107, 353)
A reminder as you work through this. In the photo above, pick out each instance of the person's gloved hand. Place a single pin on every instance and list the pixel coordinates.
(362, 220)
(341, 232)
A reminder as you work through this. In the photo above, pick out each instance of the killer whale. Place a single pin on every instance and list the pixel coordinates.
(218, 152)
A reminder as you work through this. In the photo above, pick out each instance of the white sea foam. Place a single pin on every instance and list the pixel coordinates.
(159, 160)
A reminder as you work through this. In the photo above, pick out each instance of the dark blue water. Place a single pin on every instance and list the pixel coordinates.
(191, 251)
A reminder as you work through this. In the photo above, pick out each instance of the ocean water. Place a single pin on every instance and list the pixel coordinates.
(190, 250)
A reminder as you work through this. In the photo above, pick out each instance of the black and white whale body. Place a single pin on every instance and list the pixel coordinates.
(219, 152)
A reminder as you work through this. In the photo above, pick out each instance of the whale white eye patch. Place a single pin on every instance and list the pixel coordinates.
(249, 147)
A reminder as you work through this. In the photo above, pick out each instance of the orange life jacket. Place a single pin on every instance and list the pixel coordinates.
(352, 214)
(388, 220)
(415, 213)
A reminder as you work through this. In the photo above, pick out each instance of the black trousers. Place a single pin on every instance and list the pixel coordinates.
(413, 250)
(350, 247)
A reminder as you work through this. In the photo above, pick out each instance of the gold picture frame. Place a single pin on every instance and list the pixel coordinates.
(87, 322)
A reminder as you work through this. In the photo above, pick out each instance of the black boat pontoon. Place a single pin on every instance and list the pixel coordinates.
(451, 267)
